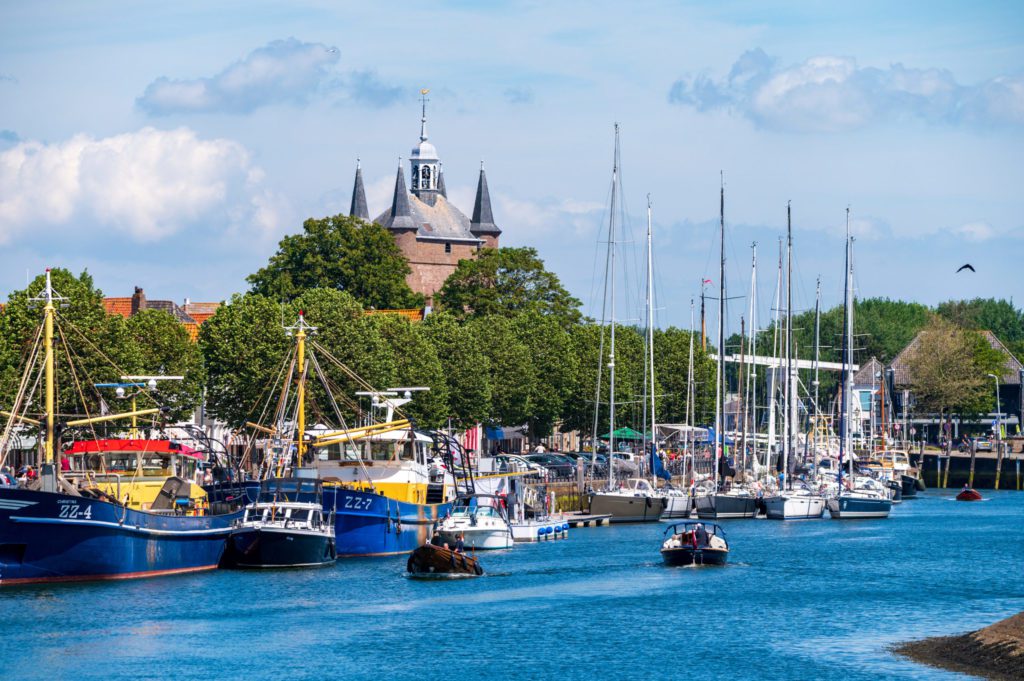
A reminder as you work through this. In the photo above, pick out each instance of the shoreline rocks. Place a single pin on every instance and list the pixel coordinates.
(995, 652)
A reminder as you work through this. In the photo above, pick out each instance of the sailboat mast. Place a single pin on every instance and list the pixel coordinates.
(741, 413)
(690, 407)
(719, 373)
(750, 412)
(844, 414)
(650, 339)
(611, 350)
(817, 360)
(790, 397)
(773, 385)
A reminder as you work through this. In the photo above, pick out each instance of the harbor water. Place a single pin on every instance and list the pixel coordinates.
(800, 600)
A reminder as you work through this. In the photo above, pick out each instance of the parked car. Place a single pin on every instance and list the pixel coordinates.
(556, 465)
(512, 463)
(982, 444)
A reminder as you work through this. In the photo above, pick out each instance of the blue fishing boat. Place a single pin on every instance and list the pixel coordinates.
(91, 523)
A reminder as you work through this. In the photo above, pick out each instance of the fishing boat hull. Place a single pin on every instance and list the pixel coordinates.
(794, 507)
(429, 561)
(854, 507)
(369, 524)
(968, 495)
(51, 537)
(690, 556)
(627, 509)
(725, 506)
(272, 547)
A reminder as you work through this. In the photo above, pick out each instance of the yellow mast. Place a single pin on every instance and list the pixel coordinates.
(49, 388)
(300, 336)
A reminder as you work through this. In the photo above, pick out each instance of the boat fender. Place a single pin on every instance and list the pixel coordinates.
(649, 502)
(478, 570)
(409, 565)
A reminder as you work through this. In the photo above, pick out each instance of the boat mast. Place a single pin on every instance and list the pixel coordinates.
(844, 413)
(773, 385)
(719, 373)
(690, 408)
(790, 397)
(817, 352)
(741, 412)
(650, 342)
(48, 312)
(611, 350)
(302, 330)
(750, 409)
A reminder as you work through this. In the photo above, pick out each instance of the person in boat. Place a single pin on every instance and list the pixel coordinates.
(65, 463)
(700, 536)
(460, 544)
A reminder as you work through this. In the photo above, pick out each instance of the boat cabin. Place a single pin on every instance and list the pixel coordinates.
(133, 471)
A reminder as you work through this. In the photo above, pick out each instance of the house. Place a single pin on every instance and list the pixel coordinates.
(190, 315)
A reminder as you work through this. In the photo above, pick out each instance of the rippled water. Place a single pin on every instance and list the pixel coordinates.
(801, 600)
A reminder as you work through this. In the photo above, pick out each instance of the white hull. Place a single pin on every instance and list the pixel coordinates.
(676, 507)
(794, 507)
(479, 539)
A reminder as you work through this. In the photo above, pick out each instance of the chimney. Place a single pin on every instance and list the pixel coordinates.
(138, 301)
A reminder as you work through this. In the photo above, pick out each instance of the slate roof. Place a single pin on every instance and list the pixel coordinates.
(483, 217)
(358, 208)
(866, 374)
(439, 221)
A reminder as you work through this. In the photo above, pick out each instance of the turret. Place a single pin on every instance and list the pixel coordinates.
(482, 225)
(358, 208)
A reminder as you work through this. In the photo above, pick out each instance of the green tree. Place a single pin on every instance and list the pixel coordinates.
(510, 375)
(342, 253)
(415, 364)
(466, 369)
(554, 366)
(998, 316)
(948, 368)
(671, 367)
(629, 378)
(244, 348)
(90, 346)
(506, 281)
(164, 347)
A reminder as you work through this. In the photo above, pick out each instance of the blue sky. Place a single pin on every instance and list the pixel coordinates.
(171, 145)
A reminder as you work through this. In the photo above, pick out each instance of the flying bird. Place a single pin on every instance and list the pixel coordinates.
(965, 267)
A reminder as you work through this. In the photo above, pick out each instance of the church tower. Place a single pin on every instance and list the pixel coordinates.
(432, 233)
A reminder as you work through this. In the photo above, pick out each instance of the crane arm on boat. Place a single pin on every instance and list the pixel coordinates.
(113, 417)
(340, 436)
(24, 419)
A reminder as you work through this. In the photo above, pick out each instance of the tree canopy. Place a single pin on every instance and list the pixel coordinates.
(506, 281)
(342, 253)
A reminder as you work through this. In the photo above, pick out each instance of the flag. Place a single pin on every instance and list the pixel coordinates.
(706, 281)
(656, 466)
(471, 438)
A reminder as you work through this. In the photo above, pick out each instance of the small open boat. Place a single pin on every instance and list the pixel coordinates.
(968, 494)
(694, 543)
(437, 561)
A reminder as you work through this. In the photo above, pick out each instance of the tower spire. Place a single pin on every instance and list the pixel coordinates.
(358, 208)
(482, 223)
(401, 213)
(423, 118)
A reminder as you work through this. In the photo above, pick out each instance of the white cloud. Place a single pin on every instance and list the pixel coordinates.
(975, 231)
(283, 71)
(147, 185)
(832, 94)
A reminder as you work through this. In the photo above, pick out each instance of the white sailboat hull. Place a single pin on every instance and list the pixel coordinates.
(794, 507)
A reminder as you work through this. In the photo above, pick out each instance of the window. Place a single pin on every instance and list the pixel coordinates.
(447, 248)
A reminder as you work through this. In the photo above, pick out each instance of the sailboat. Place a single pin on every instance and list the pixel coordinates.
(735, 501)
(852, 501)
(639, 503)
(66, 527)
(791, 502)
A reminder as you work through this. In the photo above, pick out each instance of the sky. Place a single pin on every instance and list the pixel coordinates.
(171, 145)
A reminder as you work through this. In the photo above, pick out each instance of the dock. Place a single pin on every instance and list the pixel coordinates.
(586, 520)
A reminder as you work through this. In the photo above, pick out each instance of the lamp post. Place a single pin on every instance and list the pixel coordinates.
(999, 433)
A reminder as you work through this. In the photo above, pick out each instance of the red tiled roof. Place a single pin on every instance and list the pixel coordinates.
(121, 306)
(200, 317)
(193, 331)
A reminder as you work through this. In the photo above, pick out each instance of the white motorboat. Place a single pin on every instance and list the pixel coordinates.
(636, 501)
(678, 503)
(480, 521)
